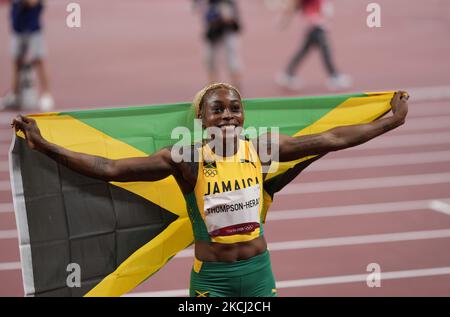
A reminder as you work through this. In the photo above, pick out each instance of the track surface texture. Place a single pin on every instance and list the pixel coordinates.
(385, 202)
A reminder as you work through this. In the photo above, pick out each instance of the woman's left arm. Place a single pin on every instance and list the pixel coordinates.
(292, 148)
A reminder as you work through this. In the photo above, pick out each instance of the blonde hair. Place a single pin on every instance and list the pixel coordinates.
(198, 99)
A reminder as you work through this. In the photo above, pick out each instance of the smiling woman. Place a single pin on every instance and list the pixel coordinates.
(223, 194)
(219, 107)
(202, 95)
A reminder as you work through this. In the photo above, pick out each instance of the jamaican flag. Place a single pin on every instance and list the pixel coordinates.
(119, 234)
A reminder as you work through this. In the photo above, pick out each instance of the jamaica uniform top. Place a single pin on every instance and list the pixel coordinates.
(226, 203)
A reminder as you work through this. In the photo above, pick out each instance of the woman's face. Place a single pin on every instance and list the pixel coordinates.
(222, 108)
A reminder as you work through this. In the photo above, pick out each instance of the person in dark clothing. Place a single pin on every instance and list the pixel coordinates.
(222, 27)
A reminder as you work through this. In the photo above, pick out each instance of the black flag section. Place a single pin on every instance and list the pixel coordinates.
(66, 218)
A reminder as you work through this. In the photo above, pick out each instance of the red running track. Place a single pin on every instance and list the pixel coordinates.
(135, 53)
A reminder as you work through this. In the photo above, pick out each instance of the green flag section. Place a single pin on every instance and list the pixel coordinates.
(116, 235)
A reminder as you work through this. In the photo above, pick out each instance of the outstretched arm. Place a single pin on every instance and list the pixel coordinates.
(151, 168)
(292, 148)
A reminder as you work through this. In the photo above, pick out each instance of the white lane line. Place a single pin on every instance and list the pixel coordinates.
(345, 241)
(384, 142)
(418, 94)
(365, 183)
(429, 123)
(329, 280)
(6, 208)
(396, 141)
(426, 110)
(350, 210)
(440, 206)
(8, 234)
(332, 164)
(355, 240)
(335, 211)
(9, 266)
(442, 120)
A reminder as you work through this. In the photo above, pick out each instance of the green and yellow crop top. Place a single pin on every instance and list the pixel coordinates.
(226, 204)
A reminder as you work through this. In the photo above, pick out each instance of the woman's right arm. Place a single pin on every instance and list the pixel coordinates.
(151, 168)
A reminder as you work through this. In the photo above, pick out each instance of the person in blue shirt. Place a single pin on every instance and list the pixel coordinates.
(222, 26)
(28, 47)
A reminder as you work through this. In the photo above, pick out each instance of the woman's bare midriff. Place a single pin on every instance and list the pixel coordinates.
(222, 252)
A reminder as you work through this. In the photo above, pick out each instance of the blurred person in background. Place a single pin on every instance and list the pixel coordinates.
(28, 46)
(314, 13)
(222, 27)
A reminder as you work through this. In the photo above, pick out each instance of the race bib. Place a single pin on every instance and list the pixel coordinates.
(234, 212)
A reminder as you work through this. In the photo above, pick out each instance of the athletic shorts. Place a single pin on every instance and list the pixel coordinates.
(31, 44)
(246, 278)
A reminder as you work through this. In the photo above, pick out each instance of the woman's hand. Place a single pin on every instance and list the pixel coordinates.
(29, 127)
(399, 104)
